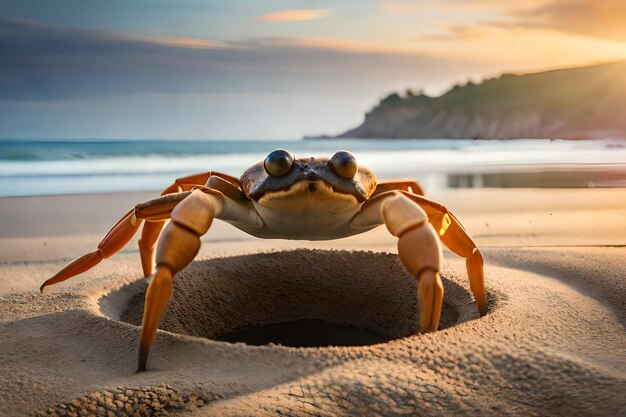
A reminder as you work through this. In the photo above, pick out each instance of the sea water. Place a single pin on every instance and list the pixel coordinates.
(42, 167)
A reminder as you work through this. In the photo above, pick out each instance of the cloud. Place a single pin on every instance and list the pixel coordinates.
(295, 15)
(458, 33)
(599, 19)
(178, 41)
(48, 62)
(339, 45)
(495, 5)
(57, 81)
(603, 19)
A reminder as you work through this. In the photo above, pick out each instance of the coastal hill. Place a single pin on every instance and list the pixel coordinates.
(573, 103)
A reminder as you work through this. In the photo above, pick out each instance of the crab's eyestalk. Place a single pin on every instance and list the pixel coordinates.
(278, 163)
(343, 163)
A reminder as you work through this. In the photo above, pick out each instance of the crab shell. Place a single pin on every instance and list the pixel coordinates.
(256, 182)
(310, 202)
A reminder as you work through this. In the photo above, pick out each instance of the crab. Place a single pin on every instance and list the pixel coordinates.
(288, 198)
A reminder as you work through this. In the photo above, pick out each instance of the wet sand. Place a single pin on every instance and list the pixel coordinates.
(553, 342)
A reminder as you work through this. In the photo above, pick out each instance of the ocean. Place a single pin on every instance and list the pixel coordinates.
(43, 167)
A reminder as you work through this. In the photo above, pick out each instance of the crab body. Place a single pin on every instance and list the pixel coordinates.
(288, 198)
(310, 211)
(310, 202)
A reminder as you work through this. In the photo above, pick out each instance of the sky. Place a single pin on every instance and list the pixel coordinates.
(268, 69)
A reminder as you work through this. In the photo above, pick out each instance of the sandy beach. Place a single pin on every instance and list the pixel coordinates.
(553, 342)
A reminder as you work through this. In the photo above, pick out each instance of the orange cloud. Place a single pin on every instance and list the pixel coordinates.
(178, 41)
(336, 44)
(295, 15)
(600, 19)
(458, 33)
(494, 5)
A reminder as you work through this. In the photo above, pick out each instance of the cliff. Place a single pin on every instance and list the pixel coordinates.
(573, 103)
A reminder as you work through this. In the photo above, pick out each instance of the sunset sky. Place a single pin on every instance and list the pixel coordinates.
(268, 69)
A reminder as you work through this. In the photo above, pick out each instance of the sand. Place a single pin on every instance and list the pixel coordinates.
(553, 342)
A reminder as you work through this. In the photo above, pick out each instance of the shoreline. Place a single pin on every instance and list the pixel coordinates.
(552, 176)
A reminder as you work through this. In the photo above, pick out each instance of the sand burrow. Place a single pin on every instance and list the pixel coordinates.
(300, 298)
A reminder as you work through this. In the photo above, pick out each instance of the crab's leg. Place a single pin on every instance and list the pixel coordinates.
(405, 185)
(419, 248)
(448, 228)
(180, 243)
(151, 230)
(188, 183)
(177, 247)
(420, 252)
(149, 236)
(119, 235)
(455, 237)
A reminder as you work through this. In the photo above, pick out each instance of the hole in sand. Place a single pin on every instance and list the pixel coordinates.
(300, 298)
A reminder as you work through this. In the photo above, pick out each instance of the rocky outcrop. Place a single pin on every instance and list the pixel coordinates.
(574, 103)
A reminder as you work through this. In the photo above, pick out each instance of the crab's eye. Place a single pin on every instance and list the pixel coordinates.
(344, 164)
(278, 163)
